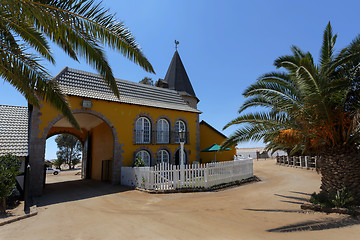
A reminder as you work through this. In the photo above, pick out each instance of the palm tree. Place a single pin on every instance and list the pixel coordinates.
(311, 109)
(79, 27)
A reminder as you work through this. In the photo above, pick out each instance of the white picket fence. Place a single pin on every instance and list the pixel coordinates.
(168, 177)
(308, 162)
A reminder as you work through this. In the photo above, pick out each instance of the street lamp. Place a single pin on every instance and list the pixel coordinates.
(182, 168)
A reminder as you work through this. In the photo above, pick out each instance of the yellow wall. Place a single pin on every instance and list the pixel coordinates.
(123, 116)
(102, 148)
(209, 137)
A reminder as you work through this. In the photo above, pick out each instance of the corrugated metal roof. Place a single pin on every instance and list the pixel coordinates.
(84, 84)
(13, 130)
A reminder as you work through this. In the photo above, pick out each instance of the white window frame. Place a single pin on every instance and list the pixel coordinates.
(145, 156)
(179, 125)
(143, 130)
(162, 131)
(163, 156)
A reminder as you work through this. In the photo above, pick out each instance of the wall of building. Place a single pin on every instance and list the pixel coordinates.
(209, 137)
(123, 117)
(102, 148)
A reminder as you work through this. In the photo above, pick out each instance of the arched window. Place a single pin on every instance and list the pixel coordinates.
(143, 129)
(162, 131)
(179, 125)
(145, 156)
(162, 156)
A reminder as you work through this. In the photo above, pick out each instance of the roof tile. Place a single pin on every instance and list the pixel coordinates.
(13, 130)
(84, 84)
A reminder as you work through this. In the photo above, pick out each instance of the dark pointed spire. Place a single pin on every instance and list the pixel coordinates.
(177, 78)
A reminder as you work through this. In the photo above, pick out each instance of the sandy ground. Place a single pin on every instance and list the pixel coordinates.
(269, 209)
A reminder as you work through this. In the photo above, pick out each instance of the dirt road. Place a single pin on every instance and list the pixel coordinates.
(269, 209)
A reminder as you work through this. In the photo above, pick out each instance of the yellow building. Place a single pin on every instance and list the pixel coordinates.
(210, 136)
(144, 121)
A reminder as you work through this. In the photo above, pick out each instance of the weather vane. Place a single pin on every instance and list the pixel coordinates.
(176, 44)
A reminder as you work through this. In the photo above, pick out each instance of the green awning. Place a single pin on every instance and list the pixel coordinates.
(214, 148)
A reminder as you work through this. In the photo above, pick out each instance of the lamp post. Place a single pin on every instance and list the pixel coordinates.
(182, 167)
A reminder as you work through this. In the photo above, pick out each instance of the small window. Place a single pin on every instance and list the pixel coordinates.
(162, 157)
(162, 131)
(143, 130)
(179, 125)
(145, 156)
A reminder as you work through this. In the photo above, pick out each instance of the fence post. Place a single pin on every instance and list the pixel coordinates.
(151, 178)
(206, 175)
(176, 177)
(252, 167)
(306, 161)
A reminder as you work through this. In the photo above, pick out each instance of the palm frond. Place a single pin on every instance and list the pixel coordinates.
(327, 48)
(317, 102)
(100, 24)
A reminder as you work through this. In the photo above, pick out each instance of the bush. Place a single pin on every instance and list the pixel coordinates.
(321, 198)
(58, 162)
(139, 162)
(340, 199)
(9, 169)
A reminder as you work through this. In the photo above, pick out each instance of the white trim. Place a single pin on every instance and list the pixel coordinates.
(143, 130)
(162, 131)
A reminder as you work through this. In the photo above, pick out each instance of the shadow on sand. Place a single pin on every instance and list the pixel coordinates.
(293, 198)
(326, 223)
(302, 193)
(77, 190)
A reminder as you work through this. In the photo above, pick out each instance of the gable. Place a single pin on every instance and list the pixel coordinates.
(210, 136)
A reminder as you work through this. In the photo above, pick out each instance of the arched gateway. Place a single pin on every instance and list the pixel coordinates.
(99, 138)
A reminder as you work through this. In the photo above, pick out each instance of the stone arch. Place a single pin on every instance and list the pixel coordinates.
(166, 148)
(186, 127)
(37, 147)
(152, 124)
(79, 136)
(166, 118)
(145, 148)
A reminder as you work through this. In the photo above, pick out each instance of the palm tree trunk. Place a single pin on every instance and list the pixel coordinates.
(341, 169)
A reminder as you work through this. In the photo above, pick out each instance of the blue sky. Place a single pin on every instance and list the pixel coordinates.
(224, 45)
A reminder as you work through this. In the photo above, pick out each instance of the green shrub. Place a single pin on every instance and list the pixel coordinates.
(342, 198)
(321, 198)
(139, 162)
(9, 169)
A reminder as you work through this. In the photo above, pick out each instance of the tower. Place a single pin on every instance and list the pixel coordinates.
(177, 79)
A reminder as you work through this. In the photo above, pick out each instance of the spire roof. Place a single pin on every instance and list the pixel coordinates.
(177, 78)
